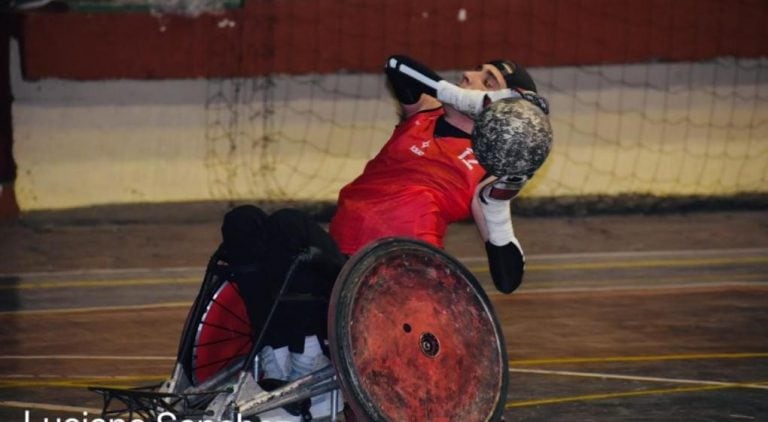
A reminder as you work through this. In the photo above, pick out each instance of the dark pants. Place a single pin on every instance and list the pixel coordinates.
(267, 245)
(7, 164)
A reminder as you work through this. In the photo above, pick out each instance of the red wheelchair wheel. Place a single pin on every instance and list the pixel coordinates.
(414, 337)
(223, 333)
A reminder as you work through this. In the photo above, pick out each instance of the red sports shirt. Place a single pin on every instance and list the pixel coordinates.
(414, 187)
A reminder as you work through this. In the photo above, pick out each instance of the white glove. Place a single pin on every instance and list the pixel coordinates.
(491, 208)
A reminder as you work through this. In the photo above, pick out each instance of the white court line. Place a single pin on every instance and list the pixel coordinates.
(464, 259)
(635, 254)
(83, 357)
(645, 254)
(104, 272)
(97, 309)
(45, 406)
(489, 292)
(95, 378)
(637, 378)
(617, 288)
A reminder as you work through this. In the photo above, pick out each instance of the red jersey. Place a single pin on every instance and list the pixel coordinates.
(414, 187)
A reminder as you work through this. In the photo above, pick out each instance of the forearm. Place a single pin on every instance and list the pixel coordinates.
(411, 81)
(491, 211)
(507, 265)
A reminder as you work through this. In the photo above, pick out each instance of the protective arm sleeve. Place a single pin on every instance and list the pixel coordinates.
(410, 79)
(491, 211)
(472, 102)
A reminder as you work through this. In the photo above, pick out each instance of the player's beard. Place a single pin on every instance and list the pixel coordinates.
(458, 119)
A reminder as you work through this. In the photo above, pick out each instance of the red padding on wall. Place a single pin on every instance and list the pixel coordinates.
(320, 36)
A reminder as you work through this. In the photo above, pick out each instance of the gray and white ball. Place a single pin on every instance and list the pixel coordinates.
(512, 137)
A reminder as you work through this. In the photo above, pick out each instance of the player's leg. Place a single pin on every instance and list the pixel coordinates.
(302, 324)
(218, 332)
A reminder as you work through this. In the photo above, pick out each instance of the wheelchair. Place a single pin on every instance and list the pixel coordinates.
(412, 336)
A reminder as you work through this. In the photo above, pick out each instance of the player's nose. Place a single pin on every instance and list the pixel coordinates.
(467, 78)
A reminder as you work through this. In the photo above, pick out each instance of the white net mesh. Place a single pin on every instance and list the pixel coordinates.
(190, 8)
(696, 128)
(186, 7)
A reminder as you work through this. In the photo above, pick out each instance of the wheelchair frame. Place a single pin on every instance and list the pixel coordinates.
(224, 395)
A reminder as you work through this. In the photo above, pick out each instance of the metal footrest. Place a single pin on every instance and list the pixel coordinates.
(146, 403)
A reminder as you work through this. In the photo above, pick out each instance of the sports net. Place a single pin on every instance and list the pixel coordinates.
(653, 103)
(635, 131)
(181, 7)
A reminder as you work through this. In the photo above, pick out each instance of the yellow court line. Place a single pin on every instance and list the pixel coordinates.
(123, 381)
(99, 283)
(27, 406)
(638, 264)
(96, 309)
(654, 263)
(557, 400)
(661, 281)
(641, 378)
(476, 269)
(639, 358)
(87, 357)
(590, 397)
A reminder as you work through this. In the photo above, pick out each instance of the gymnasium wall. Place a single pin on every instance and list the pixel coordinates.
(271, 102)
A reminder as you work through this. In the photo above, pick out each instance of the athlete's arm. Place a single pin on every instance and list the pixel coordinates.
(417, 88)
(412, 83)
(491, 211)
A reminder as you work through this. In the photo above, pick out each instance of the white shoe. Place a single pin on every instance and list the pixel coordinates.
(310, 361)
(278, 415)
(250, 389)
(274, 363)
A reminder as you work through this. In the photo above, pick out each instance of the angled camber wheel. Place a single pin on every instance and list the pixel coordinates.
(414, 337)
(223, 334)
(218, 331)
